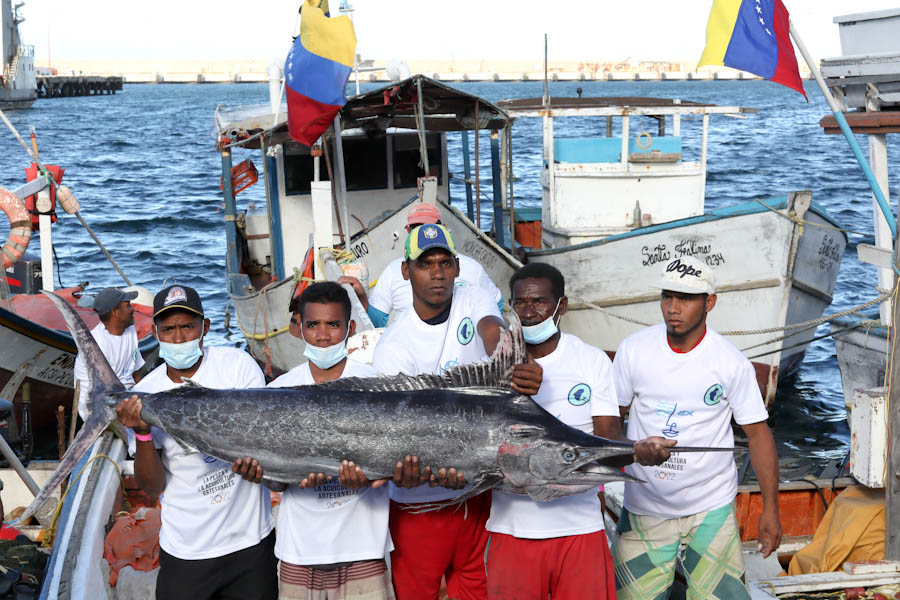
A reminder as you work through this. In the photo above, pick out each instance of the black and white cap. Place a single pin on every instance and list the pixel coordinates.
(688, 276)
(177, 296)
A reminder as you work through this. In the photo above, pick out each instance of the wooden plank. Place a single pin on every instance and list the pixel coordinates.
(871, 566)
(873, 255)
(815, 582)
(892, 474)
(871, 122)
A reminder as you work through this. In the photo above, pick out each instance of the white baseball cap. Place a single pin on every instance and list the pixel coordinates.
(688, 276)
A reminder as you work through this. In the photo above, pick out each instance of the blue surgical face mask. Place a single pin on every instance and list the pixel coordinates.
(543, 331)
(181, 356)
(327, 357)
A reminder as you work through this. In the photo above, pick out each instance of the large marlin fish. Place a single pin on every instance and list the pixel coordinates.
(467, 418)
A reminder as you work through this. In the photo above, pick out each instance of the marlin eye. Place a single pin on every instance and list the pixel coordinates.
(569, 455)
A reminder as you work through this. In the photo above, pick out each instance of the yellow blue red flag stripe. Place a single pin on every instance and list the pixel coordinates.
(316, 71)
(753, 36)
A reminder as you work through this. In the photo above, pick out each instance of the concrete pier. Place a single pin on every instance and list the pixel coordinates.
(61, 86)
(254, 71)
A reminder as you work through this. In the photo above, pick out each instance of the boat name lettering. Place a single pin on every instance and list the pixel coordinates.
(654, 255)
(359, 250)
(829, 253)
(473, 249)
(691, 248)
(59, 371)
(699, 249)
(715, 260)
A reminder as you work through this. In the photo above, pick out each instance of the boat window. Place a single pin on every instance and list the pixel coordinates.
(406, 159)
(365, 163)
(298, 169)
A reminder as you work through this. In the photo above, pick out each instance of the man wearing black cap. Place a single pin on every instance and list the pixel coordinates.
(216, 537)
(117, 338)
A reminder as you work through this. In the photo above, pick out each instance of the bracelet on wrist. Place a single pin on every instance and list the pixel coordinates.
(143, 437)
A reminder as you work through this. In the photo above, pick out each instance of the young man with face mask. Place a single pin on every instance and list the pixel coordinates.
(332, 539)
(117, 338)
(448, 325)
(393, 293)
(686, 382)
(558, 548)
(216, 536)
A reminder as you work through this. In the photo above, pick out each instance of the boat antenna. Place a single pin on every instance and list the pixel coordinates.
(546, 81)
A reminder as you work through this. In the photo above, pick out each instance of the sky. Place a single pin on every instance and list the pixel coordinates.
(589, 30)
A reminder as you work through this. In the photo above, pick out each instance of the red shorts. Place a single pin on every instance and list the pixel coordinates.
(574, 567)
(449, 542)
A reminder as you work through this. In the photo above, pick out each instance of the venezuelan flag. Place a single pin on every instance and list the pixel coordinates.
(753, 36)
(316, 71)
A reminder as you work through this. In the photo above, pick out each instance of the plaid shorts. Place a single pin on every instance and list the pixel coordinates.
(706, 545)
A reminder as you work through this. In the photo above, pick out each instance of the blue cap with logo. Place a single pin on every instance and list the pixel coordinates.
(427, 237)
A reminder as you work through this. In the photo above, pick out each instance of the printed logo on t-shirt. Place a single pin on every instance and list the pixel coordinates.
(713, 395)
(209, 459)
(461, 283)
(134, 355)
(465, 332)
(580, 394)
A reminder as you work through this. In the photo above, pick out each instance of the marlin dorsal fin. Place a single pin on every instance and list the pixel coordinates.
(496, 372)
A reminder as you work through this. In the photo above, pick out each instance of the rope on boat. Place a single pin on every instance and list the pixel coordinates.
(791, 216)
(50, 533)
(804, 325)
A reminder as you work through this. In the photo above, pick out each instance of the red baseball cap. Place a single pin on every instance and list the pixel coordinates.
(423, 213)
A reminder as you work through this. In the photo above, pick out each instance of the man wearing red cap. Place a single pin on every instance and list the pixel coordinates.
(393, 293)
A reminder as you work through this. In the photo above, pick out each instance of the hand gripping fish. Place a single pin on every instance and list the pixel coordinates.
(468, 417)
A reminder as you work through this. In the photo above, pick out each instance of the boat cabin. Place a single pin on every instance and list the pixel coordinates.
(608, 184)
(381, 159)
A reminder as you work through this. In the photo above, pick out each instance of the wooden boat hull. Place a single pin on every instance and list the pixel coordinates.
(861, 355)
(75, 566)
(770, 272)
(47, 357)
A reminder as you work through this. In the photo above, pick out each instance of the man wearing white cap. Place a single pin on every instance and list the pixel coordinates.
(684, 381)
(117, 338)
(393, 293)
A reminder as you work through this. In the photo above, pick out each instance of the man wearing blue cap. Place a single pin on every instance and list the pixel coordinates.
(448, 325)
(117, 338)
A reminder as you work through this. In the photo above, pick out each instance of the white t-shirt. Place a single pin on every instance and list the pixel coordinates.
(689, 397)
(577, 385)
(413, 347)
(329, 523)
(393, 293)
(208, 511)
(123, 355)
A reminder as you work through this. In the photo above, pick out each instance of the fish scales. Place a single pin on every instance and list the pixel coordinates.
(448, 427)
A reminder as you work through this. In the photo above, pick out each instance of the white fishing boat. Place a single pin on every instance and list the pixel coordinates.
(387, 158)
(18, 87)
(616, 207)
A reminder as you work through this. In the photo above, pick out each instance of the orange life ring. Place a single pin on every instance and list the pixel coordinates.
(19, 228)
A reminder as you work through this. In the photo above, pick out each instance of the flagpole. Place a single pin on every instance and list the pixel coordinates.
(845, 128)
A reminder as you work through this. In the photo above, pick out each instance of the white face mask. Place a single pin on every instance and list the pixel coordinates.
(543, 331)
(326, 357)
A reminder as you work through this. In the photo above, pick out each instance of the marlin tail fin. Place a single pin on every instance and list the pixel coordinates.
(101, 409)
